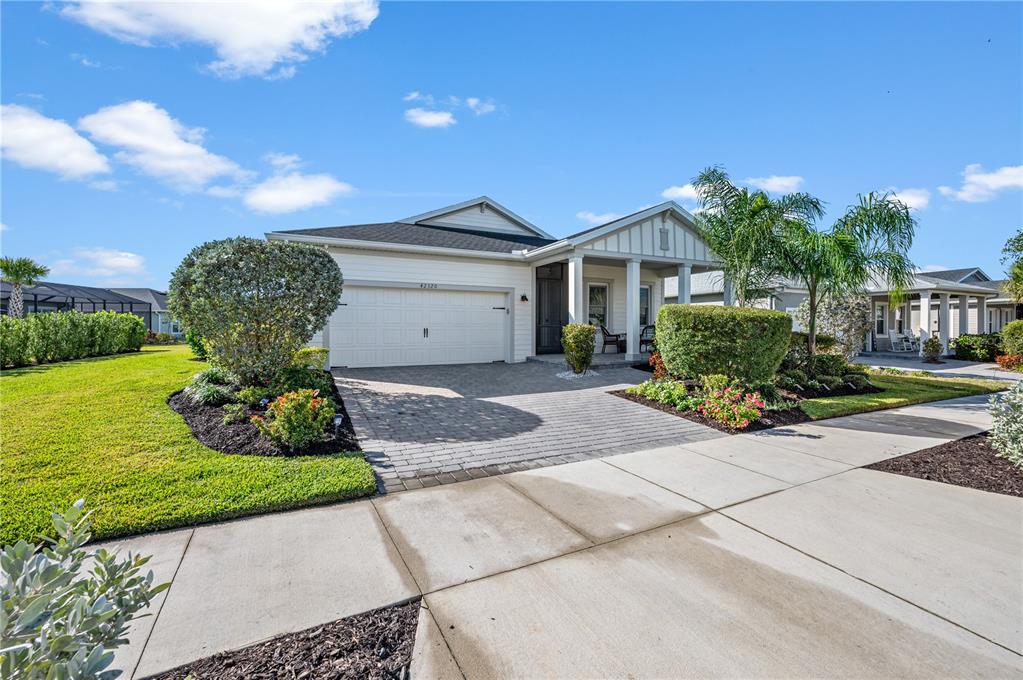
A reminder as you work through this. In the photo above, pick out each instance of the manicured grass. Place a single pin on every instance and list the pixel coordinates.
(100, 429)
(899, 391)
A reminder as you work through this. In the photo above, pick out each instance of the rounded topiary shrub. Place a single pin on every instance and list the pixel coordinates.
(578, 339)
(742, 343)
(1012, 338)
(254, 303)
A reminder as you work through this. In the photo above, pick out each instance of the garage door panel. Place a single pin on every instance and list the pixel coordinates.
(384, 327)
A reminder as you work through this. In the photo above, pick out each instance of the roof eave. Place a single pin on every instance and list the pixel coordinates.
(516, 255)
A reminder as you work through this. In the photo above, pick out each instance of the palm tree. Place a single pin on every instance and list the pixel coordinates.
(742, 228)
(870, 243)
(1012, 255)
(20, 271)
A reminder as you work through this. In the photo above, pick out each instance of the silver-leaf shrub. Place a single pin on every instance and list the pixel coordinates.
(254, 303)
(65, 608)
(1007, 431)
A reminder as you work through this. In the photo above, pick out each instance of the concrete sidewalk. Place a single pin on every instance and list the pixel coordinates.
(768, 554)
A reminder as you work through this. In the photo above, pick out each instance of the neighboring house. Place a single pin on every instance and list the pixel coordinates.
(47, 296)
(946, 304)
(160, 319)
(709, 289)
(474, 282)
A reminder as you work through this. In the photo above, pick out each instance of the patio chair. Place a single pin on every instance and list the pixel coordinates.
(898, 343)
(610, 338)
(646, 338)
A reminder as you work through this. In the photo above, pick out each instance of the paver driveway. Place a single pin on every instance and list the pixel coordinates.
(426, 425)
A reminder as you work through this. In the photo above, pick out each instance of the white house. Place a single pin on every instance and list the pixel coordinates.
(474, 282)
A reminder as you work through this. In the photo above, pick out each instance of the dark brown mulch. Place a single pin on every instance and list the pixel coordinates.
(792, 416)
(967, 462)
(374, 645)
(207, 424)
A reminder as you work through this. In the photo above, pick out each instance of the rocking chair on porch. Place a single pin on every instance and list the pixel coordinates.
(610, 338)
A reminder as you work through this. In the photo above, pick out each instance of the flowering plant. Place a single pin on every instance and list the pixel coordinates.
(296, 419)
(732, 407)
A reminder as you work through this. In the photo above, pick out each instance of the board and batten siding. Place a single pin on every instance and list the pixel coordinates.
(415, 269)
(644, 238)
(472, 218)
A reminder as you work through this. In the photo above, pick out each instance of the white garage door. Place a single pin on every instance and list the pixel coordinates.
(413, 327)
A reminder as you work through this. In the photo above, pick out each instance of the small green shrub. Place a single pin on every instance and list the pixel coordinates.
(314, 358)
(798, 353)
(234, 413)
(160, 339)
(670, 392)
(768, 392)
(1007, 430)
(1012, 338)
(732, 407)
(214, 375)
(815, 385)
(578, 339)
(829, 381)
(65, 609)
(932, 349)
(982, 347)
(830, 364)
(197, 345)
(797, 375)
(786, 383)
(857, 380)
(253, 396)
(743, 343)
(715, 382)
(296, 419)
(294, 378)
(209, 394)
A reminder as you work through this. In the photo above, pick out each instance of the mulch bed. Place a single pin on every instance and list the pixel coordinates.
(792, 416)
(374, 645)
(966, 462)
(207, 424)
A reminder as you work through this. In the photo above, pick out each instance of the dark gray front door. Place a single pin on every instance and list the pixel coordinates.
(550, 308)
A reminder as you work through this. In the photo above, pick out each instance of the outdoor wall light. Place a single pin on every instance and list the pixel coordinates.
(338, 420)
(524, 298)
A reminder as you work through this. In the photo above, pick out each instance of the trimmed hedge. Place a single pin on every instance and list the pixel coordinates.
(977, 347)
(742, 343)
(578, 339)
(62, 336)
(1012, 338)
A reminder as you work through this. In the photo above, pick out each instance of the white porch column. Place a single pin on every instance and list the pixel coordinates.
(907, 316)
(981, 314)
(729, 293)
(944, 321)
(576, 294)
(964, 314)
(925, 319)
(685, 284)
(632, 310)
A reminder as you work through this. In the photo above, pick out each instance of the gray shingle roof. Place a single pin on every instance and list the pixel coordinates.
(154, 297)
(423, 235)
(956, 275)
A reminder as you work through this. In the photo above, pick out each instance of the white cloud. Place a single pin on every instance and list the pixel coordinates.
(914, 199)
(249, 38)
(283, 161)
(933, 268)
(780, 184)
(224, 191)
(412, 96)
(84, 60)
(35, 141)
(480, 107)
(294, 191)
(595, 218)
(430, 119)
(979, 186)
(152, 141)
(686, 192)
(105, 185)
(107, 265)
(3, 227)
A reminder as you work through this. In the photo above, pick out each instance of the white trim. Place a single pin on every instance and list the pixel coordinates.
(606, 284)
(447, 210)
(394, 247)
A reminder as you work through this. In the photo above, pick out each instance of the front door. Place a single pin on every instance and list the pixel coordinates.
(550, 308)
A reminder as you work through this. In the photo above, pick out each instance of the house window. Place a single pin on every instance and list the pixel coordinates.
(644, 305)
(597, 300)
(880, 319)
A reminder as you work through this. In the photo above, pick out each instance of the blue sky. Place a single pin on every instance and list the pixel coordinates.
(132, 135)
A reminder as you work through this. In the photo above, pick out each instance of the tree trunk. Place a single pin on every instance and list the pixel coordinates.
(811, 330)
(15, 306)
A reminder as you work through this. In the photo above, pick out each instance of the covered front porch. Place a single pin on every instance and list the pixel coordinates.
(613, 278)
(930, 310)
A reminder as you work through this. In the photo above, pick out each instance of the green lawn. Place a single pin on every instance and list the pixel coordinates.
(899, 391)
(100, 429)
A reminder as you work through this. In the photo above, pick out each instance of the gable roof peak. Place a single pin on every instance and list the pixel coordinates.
(485, 201)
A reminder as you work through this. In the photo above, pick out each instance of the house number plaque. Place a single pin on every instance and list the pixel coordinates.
(427, 285)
